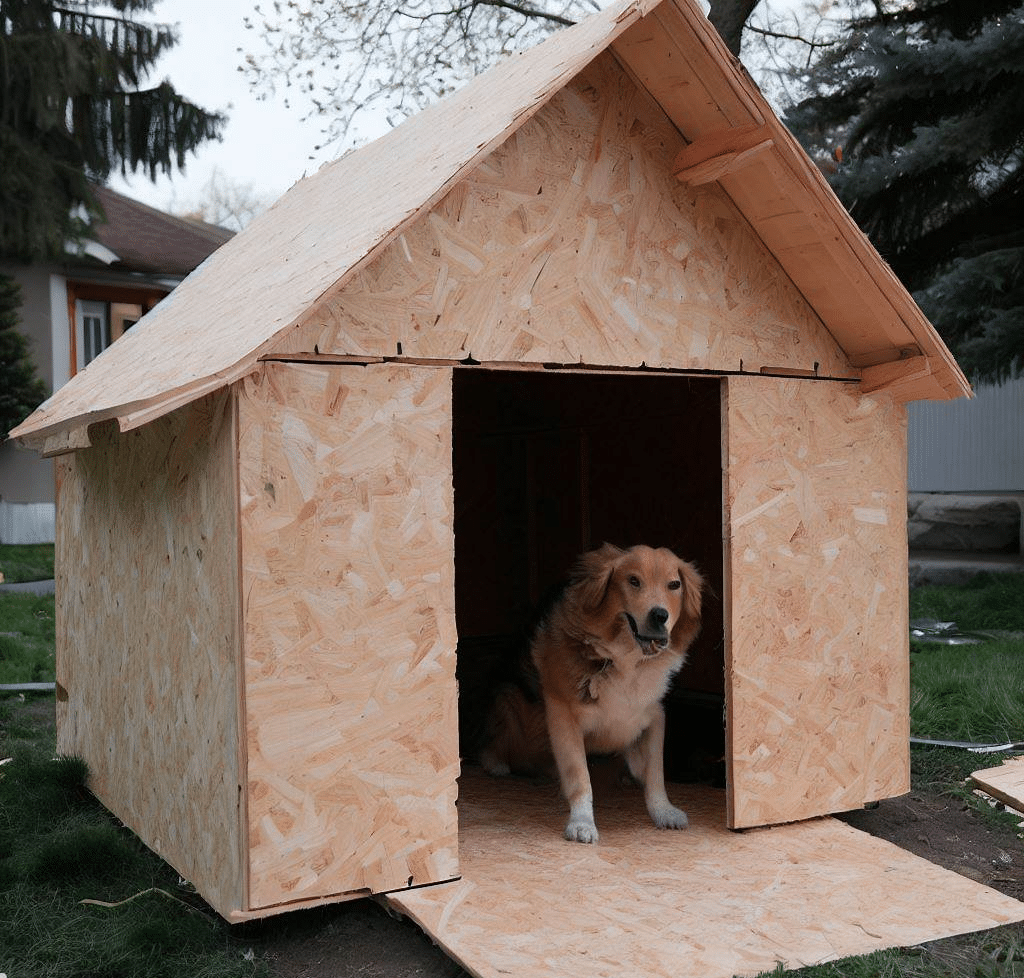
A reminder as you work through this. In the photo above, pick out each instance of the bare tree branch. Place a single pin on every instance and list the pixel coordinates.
(349, 61)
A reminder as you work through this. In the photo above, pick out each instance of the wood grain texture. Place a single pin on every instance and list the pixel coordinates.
(817, 657)
(703, 903)
(148, 637)
(573, 243)
(348, 584)
(1005, 782)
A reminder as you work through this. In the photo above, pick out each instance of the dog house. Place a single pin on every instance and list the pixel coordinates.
(600, 293)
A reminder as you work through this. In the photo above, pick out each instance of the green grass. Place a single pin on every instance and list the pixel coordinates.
(970, 692)
(60, 851)
(26, 638)
(26, 562)
(989, 601)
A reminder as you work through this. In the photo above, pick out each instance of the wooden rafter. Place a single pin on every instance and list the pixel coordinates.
(716, 154)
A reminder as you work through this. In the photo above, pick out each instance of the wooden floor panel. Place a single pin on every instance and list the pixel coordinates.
(705, 902)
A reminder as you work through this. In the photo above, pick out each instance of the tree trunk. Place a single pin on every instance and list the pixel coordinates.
(728, 18)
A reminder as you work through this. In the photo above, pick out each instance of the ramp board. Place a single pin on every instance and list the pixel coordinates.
(706, 902)
(1005, 782)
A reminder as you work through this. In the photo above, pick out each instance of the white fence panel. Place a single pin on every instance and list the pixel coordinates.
(969, 445)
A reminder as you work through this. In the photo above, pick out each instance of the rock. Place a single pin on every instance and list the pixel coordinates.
(975, 524)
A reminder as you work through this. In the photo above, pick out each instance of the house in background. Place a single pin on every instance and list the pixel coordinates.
(75, 308)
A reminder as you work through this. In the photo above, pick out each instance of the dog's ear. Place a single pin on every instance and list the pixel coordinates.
(689, 621)
(592, 575)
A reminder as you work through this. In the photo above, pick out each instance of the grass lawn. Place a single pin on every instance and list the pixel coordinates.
(26, 562)
(971, 692)
(58, 847)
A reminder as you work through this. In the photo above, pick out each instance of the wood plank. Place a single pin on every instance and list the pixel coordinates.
(817, 658)
(721, 166)
(702, 903)
(147, 636)
(717, 153)
(348, 584)
(1005, 782)
(895, 376)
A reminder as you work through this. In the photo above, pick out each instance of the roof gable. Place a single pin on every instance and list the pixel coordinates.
(245, 301)
(573, 243)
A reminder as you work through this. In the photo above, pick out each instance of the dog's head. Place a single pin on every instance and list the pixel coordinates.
(651, 592)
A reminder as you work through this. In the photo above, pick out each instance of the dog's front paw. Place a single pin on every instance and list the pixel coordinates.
(579, 830)
(667, 816)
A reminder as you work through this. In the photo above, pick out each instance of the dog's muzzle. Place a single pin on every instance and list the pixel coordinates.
(652, 636)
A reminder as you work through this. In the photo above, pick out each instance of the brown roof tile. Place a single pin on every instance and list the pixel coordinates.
(149, 240)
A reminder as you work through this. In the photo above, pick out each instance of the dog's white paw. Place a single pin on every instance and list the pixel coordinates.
(579, 830)
(667, 816)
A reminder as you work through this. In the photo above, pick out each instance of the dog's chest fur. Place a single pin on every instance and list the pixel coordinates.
(618, 695)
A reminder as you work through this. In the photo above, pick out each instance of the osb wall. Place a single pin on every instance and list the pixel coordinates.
(573, 243)
(147, 635)
(348, 584)
(816, 599)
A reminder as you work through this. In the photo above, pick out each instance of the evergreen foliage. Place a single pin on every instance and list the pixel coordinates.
(21, 390)
(925, 98)
(72, 111)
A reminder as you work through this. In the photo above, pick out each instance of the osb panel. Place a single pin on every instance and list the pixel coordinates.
(1005, 782)
(817, 656)
(572, 242)
(147, 636)
(348, 583)
(703, 903)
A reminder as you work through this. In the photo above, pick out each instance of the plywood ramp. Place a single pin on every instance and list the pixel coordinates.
(706, 903)
(1005, 782)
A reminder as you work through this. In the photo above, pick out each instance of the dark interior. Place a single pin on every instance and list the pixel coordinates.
(550, 464)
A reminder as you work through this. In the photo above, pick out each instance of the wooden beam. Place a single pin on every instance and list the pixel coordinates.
(896, 374)
(712, 156)
(69, 440)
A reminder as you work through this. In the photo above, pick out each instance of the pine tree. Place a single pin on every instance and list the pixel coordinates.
(925, 98)
(20, 389)
(72, 111)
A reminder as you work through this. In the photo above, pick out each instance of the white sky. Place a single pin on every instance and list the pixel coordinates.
(265, 144)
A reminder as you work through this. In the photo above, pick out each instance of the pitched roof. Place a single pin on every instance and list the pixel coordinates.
(151, 241)
(216, 325)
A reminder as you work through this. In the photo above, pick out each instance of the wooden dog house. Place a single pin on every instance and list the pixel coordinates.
(600, 293)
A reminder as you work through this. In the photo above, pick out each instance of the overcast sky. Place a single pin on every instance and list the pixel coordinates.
(265, 144)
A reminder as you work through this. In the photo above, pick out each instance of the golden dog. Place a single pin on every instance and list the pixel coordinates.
(600, 665)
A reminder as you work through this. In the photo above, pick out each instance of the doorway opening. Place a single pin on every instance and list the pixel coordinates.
(550, 464)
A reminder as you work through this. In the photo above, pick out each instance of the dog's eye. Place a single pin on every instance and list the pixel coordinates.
(674, 585)
(634, 581)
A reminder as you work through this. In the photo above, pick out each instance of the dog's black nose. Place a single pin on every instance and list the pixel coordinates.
(658, 616)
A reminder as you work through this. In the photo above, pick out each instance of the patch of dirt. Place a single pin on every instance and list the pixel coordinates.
(944, 830)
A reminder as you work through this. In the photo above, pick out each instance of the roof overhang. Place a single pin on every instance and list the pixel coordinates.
(249, 294)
